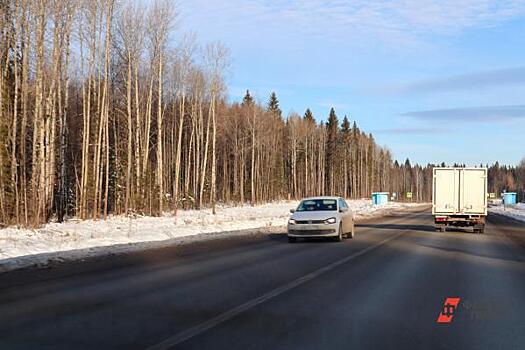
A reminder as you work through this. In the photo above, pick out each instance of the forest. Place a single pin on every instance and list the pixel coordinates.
(106, 109)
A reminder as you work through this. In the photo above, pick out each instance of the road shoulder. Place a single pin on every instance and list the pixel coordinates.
(183, 243)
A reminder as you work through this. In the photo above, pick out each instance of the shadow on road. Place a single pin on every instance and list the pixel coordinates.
(503, 256)
(282, 237)
(426, 228)
(278, 237)
(513, 229)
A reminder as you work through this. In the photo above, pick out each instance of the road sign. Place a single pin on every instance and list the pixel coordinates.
(409, 195)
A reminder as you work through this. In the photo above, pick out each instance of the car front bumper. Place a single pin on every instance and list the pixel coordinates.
(318, 230)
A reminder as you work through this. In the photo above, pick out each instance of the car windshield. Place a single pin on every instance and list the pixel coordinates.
(318, 205)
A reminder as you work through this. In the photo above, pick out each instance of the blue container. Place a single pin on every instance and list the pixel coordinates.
(509, 198)
(380, 198)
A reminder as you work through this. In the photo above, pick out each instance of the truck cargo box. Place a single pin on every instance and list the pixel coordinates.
(459, 197)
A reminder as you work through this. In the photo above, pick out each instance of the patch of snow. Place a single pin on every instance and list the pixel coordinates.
(516, 211)
(76, 239)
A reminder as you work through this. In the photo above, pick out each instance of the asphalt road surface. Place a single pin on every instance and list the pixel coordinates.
(382, 290)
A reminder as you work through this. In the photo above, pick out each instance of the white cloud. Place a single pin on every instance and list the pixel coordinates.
(398, 21)
(482, 114)
(503, 77)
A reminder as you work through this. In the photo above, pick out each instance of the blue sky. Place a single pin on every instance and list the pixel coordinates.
(432, 80)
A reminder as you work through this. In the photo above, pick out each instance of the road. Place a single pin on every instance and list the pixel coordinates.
(382, 290)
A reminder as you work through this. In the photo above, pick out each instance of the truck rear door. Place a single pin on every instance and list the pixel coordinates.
(473, 196)
(446, 191)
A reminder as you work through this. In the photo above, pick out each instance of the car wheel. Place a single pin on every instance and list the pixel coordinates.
(339, 237)
(292, 239)
(352, 233)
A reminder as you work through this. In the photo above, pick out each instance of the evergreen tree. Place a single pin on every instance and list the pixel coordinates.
(346, 154)
(355, 130)
(345, 126)
(332, 122)
(346, 140)
(308, 116)
(273, 105)
(332, 128)
(248, 99)
(407, 177)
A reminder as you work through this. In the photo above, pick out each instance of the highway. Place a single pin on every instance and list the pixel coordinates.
(382, 290)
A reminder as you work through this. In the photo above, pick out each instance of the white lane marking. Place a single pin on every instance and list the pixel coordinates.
(215, 321)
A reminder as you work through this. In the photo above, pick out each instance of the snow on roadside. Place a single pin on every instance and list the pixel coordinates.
(76, 239)
(516, 212)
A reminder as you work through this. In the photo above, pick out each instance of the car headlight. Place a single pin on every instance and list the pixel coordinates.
(330, 221)
(291, 222)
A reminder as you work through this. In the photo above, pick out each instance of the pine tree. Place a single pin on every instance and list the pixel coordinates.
(331, 149)
(332, 123)
(407, 176)
(308, 116)
(345, 153)
(345, 126)
(332, 126)
(273, 105)
(248, 99)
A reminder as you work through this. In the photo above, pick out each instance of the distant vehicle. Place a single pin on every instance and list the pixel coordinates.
(321, 217)
(459, 198)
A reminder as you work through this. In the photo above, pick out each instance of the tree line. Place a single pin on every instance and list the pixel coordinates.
(105, 108)
(507, 178)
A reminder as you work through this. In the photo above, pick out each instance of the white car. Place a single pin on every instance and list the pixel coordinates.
(321, 217)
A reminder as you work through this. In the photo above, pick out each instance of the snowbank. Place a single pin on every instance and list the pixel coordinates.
(516, 212)
(77, 239)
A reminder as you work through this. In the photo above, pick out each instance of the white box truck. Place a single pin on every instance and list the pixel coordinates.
(459, 198)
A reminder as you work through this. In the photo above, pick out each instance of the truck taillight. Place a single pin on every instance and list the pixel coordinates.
(441, 219)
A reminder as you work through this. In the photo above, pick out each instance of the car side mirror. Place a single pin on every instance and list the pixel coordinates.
(292, 211)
